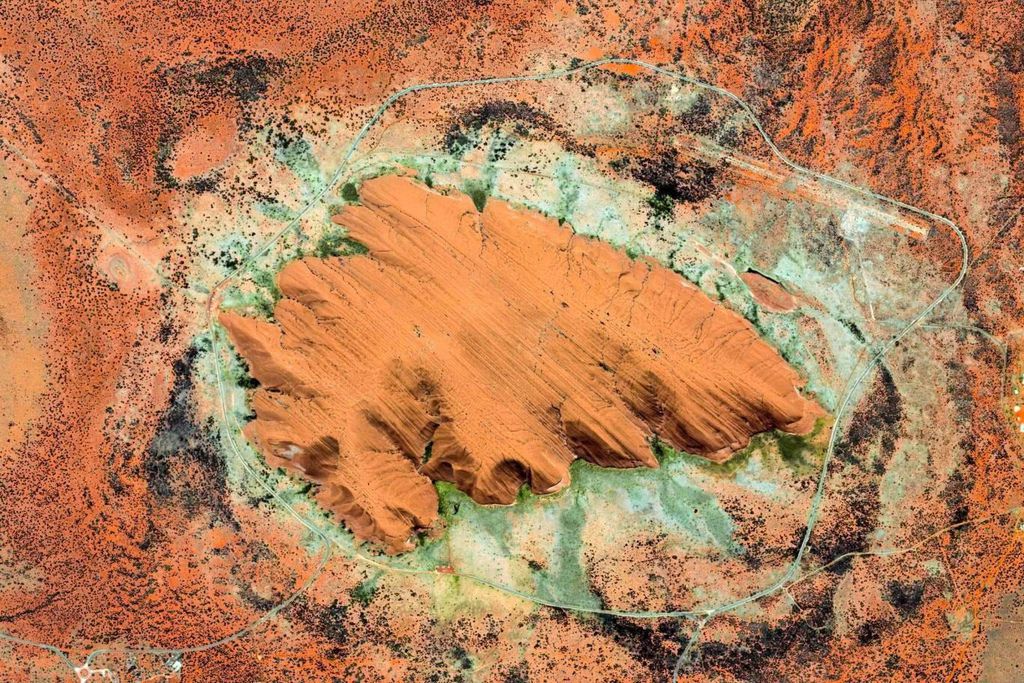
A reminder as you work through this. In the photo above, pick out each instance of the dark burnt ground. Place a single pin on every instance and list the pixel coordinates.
(229, 82)
(526, 120)
(876, 421)
(850, 514)
(184, 465)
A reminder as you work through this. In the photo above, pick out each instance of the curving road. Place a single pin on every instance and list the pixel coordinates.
(703, 616)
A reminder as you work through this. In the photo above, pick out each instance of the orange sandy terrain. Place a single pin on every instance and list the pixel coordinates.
(108, 109)
(505, 344)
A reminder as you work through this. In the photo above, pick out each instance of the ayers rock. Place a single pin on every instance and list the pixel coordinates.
(490, 350)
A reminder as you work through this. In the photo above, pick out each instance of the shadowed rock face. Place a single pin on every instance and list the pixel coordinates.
(491, 350)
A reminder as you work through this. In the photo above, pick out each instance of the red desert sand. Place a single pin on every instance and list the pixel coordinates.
(491, 349)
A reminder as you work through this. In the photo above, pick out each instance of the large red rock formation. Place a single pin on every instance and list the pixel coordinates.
(491, 350)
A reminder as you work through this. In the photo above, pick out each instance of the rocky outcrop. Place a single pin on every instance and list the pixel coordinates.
(491, 349)
(768, 293)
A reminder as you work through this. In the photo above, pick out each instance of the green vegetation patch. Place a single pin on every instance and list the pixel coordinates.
(565, 578)
(478, 191)
(296, 154)
(363, 592)
(799, 452)
(662, 206)
(275, 210)
(350, 193)
(336, 242)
